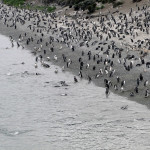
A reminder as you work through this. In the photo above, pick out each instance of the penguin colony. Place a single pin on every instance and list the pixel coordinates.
(112, 49)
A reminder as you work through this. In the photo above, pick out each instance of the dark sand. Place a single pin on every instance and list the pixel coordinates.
(61, 48)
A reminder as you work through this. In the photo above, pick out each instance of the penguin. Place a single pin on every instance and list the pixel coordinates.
(55, 58)
(118, 79)
(107, 92)
(122, 83)
(131, 94)
(89, 79)
(138, 81)
(35, 65)
(115, 87)
(80, 74)
(136, 90)
(141, 77)
(48, 58)
(147, 93)
(63, 68)
(146, 83)
(56, 71)
(75, 79)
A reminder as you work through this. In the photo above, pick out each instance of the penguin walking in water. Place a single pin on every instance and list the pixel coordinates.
(35, 65)
(56, 71)
(89, 79)
(80, 74)
(63, 68)
(107, 92)
(36, 59)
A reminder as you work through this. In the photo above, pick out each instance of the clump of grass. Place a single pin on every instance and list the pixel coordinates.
(100, 7)
(116, 4)
(45, 8)
(136, 1)
(51, 9)
(89, 5)
(15, 3)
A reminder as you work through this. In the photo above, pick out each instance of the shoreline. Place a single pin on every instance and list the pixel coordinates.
(37, 114)
(61, 48)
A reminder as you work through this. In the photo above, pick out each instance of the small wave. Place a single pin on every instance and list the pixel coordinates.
(13, 133)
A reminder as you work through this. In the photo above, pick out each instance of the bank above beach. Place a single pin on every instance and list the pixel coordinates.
(38, 33)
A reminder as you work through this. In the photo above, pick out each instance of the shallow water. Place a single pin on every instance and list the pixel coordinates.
(35, 114)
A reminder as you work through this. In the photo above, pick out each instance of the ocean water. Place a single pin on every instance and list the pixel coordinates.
(38, 113)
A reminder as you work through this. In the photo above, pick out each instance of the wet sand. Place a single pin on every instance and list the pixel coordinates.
(130, 77)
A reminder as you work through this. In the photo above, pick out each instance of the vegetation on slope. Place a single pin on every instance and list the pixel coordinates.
(15, 3)
(22, 4)
(90, 5)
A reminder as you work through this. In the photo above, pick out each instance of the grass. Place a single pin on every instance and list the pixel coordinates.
(116, 4)
(41, 8)
(101, 7)
(15, 3)
(21, 4)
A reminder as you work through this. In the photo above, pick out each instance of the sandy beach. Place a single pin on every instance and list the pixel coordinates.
(46, 33)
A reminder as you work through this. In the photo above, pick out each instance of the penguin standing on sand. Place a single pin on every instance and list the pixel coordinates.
(89, 79)
(146, 83)
(136, 89)
(75, 79)
(115, 87)
(118, 79)
(138, 81)
(123, 83)
(141, 77)
(147, 93)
